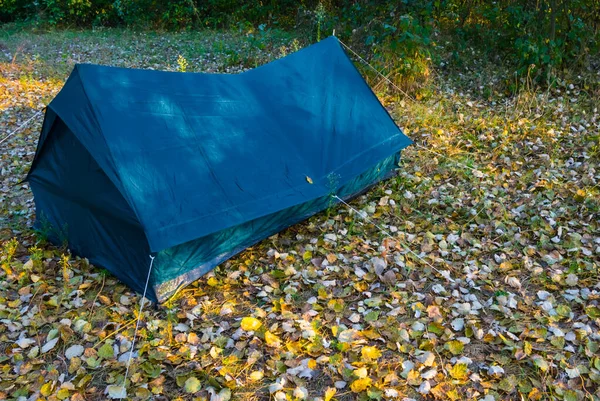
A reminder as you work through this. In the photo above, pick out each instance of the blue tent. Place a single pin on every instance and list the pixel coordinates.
(193, 168)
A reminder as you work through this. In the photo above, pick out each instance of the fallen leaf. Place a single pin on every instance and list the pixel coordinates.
(49, 345)
(116, 392)
(250, 324)
(74, 351)
(359, 385)
(192, 385)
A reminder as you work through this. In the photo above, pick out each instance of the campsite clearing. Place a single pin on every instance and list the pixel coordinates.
(332, 307)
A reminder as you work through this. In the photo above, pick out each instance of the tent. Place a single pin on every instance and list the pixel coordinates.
(193, 168)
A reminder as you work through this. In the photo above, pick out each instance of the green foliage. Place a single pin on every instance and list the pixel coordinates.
(320, 15)
(172, 15)
(77, 12)
(401, 47)
(537, 39)
(9, 248)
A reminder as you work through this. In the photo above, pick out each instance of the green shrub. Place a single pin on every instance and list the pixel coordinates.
(535, 38)
(15, 10)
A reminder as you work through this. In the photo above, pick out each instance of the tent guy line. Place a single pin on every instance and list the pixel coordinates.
(139, 318)
(445, 274)
(409, 97)
(376, 70)
(447, 158)
(6, 138)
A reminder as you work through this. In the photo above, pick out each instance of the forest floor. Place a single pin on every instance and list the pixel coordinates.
(507, 211)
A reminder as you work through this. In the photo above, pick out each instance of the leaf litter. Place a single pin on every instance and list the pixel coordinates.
(333, 308)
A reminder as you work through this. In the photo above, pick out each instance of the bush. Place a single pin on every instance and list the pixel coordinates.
(398, 36)
(15, 10)
(536, 38)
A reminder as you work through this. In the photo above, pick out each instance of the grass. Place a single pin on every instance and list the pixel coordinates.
(58, 51)
(517, 231)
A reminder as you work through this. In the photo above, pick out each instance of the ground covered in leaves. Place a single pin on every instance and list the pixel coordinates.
(498, 297)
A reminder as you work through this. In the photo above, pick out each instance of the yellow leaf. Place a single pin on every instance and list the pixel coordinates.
(580, 195)
(46, 389)
(371, 334)
(62, 394)
(192, 385)
(453, 395)
(215, 352)
(250, 323)
(455, 347)
(360, 384)
(336, 305)
(329, 393)
(361, 373)
(540, 362)
(370, 352)
(413, 378)
(335, 330)
(257, 375)
(212, 281)
(272, 340)
(535, 394)
(312, 364)
(459, 371)
(310, 181)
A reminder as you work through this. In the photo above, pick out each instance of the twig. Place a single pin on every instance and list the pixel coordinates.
(98, 294)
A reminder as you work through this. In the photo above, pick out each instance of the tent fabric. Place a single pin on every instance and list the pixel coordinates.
(193, 168)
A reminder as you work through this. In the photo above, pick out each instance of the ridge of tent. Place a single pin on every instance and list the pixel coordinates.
(335, 40)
